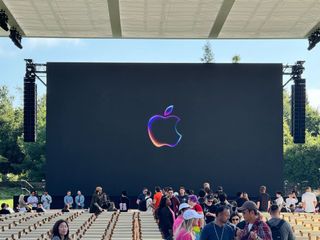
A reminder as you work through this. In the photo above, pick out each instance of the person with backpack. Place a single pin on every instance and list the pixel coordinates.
(146, 203)
(142, 197)
(281, 229)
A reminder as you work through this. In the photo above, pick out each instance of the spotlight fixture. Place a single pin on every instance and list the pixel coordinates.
(297, 70)
(15, 36)
(4, 20)
(314, 38)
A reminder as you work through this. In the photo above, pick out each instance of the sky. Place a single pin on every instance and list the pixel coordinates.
(42, 50)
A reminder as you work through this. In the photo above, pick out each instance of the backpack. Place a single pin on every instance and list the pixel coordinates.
(276, 233)
(143, 205)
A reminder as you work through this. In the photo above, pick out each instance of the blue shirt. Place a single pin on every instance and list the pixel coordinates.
(214, 232)
(79, 200)
(68, 200)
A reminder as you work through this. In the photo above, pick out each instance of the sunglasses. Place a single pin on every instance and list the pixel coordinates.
(235, 219)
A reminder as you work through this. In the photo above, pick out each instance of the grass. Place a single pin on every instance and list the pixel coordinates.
(6, 195)
(7, 201)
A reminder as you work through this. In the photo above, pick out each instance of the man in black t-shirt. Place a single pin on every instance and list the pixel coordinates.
(182, 197)
(4, 209)
(209, 209)
(264, 200)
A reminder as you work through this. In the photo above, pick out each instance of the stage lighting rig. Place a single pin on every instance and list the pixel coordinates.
(296, 71)
(4, 20)
(314, 38)
(15, 36)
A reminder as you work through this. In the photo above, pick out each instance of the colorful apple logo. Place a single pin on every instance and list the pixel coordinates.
(166, 116)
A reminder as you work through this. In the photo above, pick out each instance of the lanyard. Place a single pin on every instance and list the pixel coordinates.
(221, 237)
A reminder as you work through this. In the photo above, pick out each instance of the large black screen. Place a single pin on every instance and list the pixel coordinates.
(229, 117)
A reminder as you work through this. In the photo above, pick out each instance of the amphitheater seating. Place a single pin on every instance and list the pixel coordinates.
(83, 225)
(306, 226)
(119, 226)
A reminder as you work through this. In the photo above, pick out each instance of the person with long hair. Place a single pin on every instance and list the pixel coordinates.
(185, 231)
(166, 218)
(23, 207)
(178, 221)
(60, 230)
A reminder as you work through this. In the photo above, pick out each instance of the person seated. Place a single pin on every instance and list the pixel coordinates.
(66, 208)
(124, 202)
(95, 205)
(299, 208)
(40, 208)
(4, 209)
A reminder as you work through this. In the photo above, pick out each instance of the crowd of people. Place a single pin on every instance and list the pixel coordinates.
(183, 215)
(209, 215)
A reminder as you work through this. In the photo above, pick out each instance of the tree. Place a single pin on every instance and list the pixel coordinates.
(302, 161)
(312, 121)
(208, 56)
(10, 130)
(236, 59)
(34, 162)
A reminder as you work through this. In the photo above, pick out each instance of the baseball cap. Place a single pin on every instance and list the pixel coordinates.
(190, 213)
(210, 197)
(184, 205)
(248, 205)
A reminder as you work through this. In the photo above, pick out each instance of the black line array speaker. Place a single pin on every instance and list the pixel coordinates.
(298, 110)
(30, 110)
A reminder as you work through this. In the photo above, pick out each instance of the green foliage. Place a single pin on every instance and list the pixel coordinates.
(301, 161)
(312, 121)
(10, 130)
(208, 56)
(16, 156)
(33, 164)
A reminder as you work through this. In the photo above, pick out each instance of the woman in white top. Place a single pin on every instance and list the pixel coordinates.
(149, 202)
(291, 200)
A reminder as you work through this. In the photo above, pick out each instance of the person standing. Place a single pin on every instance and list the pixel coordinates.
(280, 228)
(22, 205)
(209, 209)
(218, 229)
(141, 199)
(33, 200)
(255, 228)
(166, 218)
(149, 202)
(264, 200)
(183, 196)
(178, 221)
(79, 200)
(157, 197)
(68, 199)
(174, 201)
(185, 230)
(309, 201)
(46, 200)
